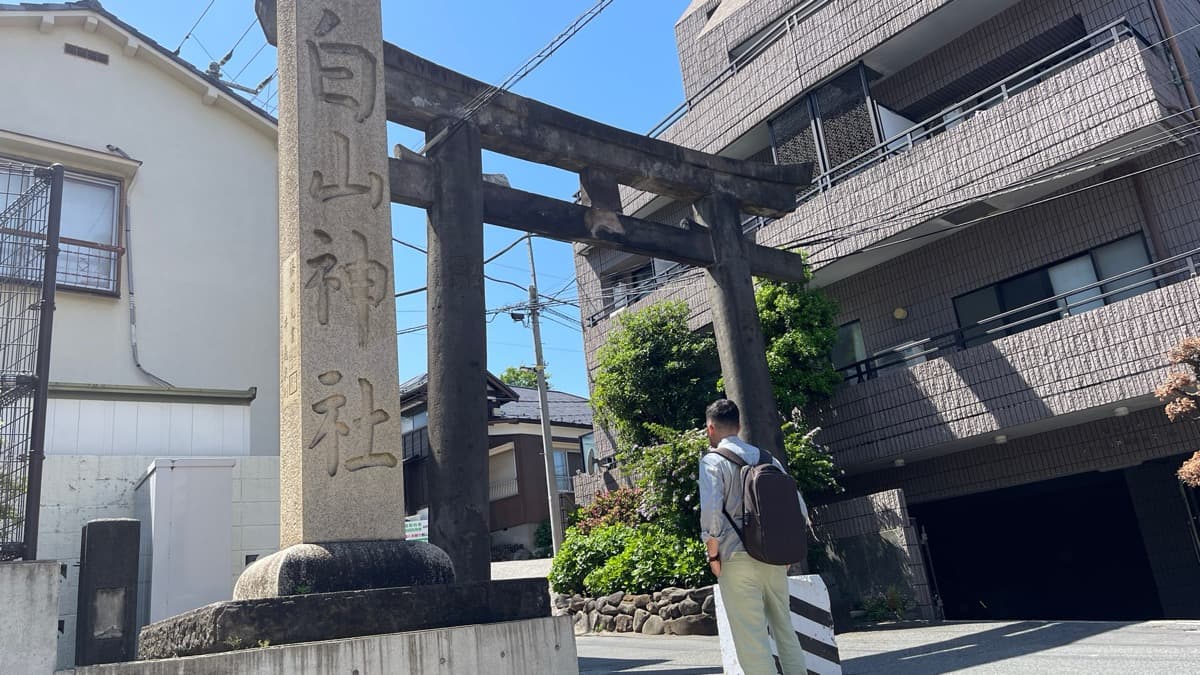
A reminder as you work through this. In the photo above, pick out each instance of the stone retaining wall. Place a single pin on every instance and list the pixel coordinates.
(673, 611)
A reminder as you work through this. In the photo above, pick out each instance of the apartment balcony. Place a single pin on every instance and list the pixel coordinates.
(1088, 106)
(1064, 360)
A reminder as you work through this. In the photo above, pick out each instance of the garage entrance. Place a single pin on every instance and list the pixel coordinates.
(1068, 548)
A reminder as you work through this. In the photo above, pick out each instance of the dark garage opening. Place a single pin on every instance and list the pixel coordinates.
(1068, 548)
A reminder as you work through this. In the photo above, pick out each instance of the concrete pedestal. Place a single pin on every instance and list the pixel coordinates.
(545, 646)
(227, 626)
(28, 621)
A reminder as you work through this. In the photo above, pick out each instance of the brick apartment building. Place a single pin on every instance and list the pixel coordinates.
(1005, 207)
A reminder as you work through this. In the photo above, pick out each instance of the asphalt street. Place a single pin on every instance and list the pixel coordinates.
(1042, 647)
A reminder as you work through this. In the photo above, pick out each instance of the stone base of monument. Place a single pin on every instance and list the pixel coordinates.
(344, 566)
(239, 624)
(314, 592)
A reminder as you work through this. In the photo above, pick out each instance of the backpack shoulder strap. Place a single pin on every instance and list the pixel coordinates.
(729, 455)
(741, 464)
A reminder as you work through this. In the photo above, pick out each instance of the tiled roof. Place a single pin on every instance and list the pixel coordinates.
(564, 408)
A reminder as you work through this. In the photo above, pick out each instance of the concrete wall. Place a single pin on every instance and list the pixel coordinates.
(1163, 517)
(202, 211)
(1103, 445)
(28, 622)
(513, 648)
(868, 545)
(79, 488)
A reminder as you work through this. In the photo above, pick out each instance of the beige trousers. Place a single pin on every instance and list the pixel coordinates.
(755, 596)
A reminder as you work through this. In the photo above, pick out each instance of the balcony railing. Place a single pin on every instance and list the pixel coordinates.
(984, 99)
(740, 56)
(500, 489)
(994, 327)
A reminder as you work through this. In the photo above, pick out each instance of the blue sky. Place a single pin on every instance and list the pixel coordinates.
(622, 69)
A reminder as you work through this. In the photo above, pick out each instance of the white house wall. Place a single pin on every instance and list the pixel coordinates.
(79, 427)
(203, 208)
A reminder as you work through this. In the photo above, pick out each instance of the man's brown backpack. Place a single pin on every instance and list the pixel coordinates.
(772, 528)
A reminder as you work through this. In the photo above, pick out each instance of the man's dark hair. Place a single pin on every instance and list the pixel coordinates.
(723, 413)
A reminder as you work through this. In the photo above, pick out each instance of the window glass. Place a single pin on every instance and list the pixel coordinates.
(849, 347)
(587, 443)
(562, 473)
(973, 308)
(1072, 274)
(413, 421)
(1119, 257)
(1025, 290)
(89, 214)
(892, 123)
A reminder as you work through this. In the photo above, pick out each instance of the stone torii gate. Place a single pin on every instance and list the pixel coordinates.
(339, 382)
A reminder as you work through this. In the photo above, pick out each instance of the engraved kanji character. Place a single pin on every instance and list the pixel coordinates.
(343, 186)
(330, 409)
(368, 281)
(366, 429)
(322, 278)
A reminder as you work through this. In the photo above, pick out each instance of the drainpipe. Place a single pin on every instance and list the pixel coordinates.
(133, 343)
(1180, 66)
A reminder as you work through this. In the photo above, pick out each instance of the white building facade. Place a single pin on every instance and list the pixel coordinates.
(166, 325)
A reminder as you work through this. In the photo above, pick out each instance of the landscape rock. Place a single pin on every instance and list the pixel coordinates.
(692, 625)
(654, 625)
(688, 607)
(639, 619)
(624, 623)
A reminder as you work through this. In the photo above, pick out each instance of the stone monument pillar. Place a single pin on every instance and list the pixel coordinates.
(341, 477)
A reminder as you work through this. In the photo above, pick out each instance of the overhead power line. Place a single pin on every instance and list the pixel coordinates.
(193, 28)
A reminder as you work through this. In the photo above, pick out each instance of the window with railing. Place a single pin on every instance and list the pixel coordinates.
(1023, 299)
(799, 133)
(89, 257)
(1101, 276)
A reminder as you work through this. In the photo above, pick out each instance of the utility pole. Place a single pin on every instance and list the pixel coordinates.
(556, 526)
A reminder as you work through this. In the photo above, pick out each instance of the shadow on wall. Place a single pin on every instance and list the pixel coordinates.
(863, 566)
(899, 412)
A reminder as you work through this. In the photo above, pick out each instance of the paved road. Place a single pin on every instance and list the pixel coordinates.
(1041, 647)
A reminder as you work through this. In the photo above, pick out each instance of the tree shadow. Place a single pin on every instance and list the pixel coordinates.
(597, 666)
(975, 649)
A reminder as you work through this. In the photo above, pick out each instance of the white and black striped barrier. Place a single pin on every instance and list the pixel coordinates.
(811, 620)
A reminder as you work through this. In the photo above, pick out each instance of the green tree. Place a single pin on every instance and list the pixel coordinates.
(522, 376)
(653, 370)
(799, 328)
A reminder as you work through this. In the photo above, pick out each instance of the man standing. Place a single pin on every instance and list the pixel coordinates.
(754, 593)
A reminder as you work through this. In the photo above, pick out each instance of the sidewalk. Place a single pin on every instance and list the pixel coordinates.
(1041, 647)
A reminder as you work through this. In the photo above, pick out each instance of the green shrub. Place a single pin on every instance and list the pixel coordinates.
(890, 605)
(668, 476)
(617, 507)
(652, 560)
(581, 553)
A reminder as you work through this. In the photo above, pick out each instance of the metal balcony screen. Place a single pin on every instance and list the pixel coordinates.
(26, 197)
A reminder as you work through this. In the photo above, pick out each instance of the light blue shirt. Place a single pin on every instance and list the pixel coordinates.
(717, 474)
